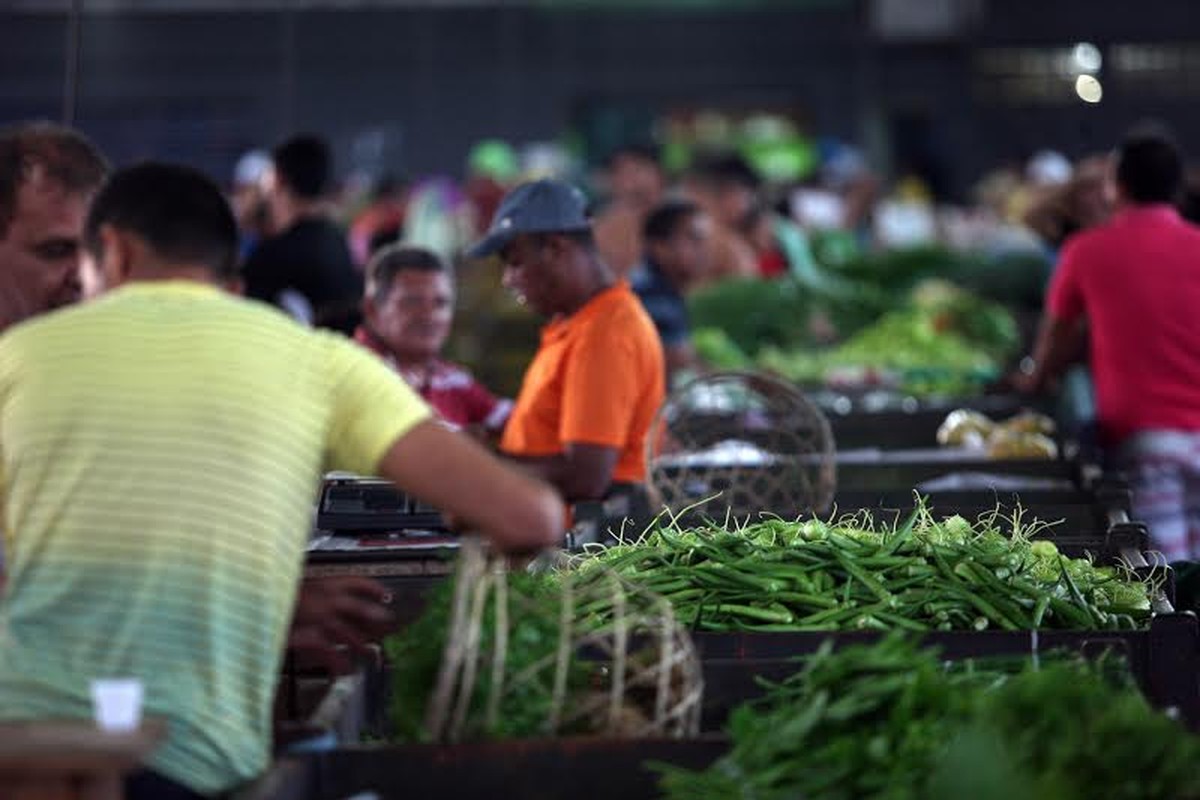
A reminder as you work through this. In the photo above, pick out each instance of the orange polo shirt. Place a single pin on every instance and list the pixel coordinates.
(597, 378)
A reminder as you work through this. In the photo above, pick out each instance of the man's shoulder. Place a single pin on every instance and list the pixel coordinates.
(623, 319)
(1092, 242)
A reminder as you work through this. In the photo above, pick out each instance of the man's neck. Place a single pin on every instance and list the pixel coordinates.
(202, 275)
(405, 361)
(297, 211)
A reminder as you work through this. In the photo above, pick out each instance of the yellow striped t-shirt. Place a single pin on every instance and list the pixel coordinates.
(160, 450)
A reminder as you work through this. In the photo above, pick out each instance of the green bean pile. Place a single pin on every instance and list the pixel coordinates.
(920, 575)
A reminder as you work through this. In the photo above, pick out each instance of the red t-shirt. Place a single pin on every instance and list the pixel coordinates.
(1137, 281)
(451, 390)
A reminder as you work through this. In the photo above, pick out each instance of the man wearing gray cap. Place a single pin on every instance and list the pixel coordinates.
(597, 380)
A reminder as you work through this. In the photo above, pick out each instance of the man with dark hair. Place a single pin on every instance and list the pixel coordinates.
(677, 241)
(47, 176)
(727, 189)
(751, 239)
(305, 268)
(162, 445)
(634, 183)
(597, 380)
(1135, 282)
(407, 311)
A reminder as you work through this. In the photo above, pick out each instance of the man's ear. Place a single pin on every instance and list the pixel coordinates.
(118, 250)
(370, 315)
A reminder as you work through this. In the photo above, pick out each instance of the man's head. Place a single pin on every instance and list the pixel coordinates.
(47, 177)
(635, 176)
(409, 302)
(542, 233)
(301, 176)
(155, 221)
(677, 240)
(727, 187)
(1149, 167)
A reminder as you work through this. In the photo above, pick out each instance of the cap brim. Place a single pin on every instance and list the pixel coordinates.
(491, 244)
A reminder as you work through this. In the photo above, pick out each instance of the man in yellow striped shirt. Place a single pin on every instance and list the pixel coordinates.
(160, 448)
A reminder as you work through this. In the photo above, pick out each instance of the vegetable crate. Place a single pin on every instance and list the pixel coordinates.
(908, 471)
(913, 424)
(1164, 658)
(409, 575)
(532, 769)
(316, 711)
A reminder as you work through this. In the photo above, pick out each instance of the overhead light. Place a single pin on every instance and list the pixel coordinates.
(1086, 58)
(1088, 89)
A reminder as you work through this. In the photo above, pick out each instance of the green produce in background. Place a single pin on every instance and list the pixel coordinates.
(891, 722)
(905, 347)
(717, 350)
(752, 312)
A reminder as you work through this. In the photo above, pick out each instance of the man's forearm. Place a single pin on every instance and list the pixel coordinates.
(1059, 344)
(581, 472)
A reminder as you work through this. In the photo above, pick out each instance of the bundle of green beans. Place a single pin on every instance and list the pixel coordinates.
(919, 575)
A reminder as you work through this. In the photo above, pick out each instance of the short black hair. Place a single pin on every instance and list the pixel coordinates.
(1150, 165)
(639, 151)
(390, 261)
(178, 211)
(304, 164)
(665, 220)
(64, 155)
(727, 169)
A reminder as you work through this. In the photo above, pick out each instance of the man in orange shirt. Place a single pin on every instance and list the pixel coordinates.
(597, 380)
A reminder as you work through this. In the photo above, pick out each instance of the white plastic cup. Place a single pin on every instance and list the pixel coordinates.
(117, 704)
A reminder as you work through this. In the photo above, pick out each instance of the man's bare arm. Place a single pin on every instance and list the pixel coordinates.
(457, 475)
(1059, 344)
(580, 472)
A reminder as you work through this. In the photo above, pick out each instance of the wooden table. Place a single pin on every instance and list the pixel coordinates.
(61, 760)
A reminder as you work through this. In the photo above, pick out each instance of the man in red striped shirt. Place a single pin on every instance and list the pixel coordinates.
(408, 309)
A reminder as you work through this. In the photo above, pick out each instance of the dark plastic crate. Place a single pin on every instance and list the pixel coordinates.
(533, 769)
(908, 473)
(1164, 658)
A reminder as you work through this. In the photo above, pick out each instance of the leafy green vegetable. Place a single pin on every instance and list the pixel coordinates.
(891, 722)
(752, 312)
(715, 348)
(416, 655)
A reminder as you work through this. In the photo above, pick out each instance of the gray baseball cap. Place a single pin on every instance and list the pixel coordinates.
(545, 206)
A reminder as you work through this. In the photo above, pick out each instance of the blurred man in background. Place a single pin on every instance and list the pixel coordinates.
(305, 267)
(635, 184)
(677, 237)
(1135, 283)
(597, 380)
(727, 189)
(47, 177)
(407, 313)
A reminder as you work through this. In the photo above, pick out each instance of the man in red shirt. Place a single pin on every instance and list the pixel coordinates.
(1135, 281)
(407, 312)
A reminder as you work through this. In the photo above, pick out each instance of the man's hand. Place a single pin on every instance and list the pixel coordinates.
(335, 612)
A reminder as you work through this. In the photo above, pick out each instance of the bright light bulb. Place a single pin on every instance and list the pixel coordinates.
(1086, 57)
(1088, 89)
